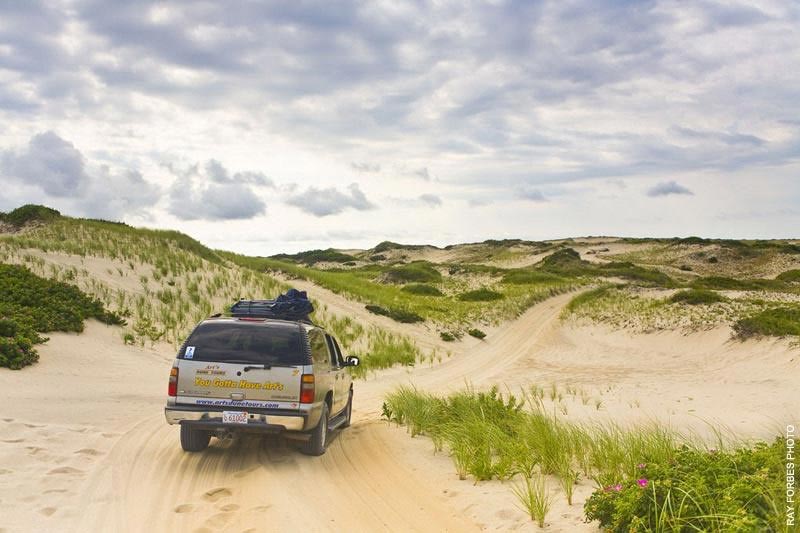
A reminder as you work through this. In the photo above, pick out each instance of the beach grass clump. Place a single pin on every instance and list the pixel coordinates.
(697, 297)
(528, 276)
(475, 332)
(775, 322)
(400, 315)
(385, 350)
(30, 304)
(648, 477)
(480, 295)
(790, 276)
(422, 289)
(416, 272)
(731, 284)
(533, 498)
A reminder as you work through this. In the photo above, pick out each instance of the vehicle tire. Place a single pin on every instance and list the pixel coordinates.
(319, 437)
(194, 440)
(348, 410)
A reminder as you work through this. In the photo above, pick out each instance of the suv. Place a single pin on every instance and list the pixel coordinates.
(260, 375)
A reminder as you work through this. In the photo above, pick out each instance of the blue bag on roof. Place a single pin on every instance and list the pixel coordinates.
(293, 305)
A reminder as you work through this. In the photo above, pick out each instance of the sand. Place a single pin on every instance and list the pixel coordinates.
(85, 447)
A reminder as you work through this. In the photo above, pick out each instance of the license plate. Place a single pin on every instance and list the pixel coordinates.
(234, 417)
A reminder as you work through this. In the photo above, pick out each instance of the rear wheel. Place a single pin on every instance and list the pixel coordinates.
(348, 410)
(194, 440)
(319, 437)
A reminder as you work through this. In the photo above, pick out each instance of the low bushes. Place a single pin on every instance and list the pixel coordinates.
(723, 283)
(420, 289)
(777, 322)
(478, 334)
(697, 297)
(698, 490)
(480, 295)
(790, 276)
(30, 305)
(418, 272)
(399, 315)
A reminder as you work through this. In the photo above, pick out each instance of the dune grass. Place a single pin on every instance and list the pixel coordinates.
(646, 477)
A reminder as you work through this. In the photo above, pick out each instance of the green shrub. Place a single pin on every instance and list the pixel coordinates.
(399, 315)
(377, 257)
(697, 297)
(422, 290)
(418, 271)
(686, 268)
(777, 322)
(30, 305)
(312, 257)
(478, 334)
(480, 295)
(790, 276)
(730, 284)
(447, 336)
(30, 213)
(698, 490)
(527, 277)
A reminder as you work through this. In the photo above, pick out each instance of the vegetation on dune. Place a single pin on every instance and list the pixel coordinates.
(730, 284)
(647, 477)
(790, 276)
(776, 322)
(480, 295)
(312, 257)
(30, 305)
(529, 276)
(568, 263)
(478, 334)
(624, 307)
(29, 213)
(386, 246)
(697, 297)
(417, 272)
(422, 289)
(400, 315)
(366, 284)
(164, 282)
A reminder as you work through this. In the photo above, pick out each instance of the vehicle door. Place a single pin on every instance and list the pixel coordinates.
(341, 388)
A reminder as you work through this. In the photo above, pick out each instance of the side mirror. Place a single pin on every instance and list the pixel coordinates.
(352, 360)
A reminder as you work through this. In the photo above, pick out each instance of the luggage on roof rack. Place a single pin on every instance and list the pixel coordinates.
(294, 305)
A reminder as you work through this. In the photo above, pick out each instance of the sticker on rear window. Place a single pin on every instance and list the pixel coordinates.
(189, 354)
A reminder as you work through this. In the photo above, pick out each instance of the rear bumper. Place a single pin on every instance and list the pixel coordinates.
(259, 420)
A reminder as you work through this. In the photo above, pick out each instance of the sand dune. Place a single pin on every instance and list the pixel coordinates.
(84, 445)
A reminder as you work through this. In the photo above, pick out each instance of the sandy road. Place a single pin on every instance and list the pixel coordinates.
(372, 478)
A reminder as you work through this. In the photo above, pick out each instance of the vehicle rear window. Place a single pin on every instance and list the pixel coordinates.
(231, 342)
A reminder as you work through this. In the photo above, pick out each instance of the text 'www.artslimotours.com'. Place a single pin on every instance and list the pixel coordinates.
(790, 483)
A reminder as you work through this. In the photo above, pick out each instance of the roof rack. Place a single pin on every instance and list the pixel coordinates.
(293, 305)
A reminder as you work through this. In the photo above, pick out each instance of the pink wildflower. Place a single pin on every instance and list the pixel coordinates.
(642, 482)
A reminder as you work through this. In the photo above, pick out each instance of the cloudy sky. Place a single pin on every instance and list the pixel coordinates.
(265, 127)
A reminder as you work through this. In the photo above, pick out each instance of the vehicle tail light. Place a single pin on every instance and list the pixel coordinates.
(307, 388)
(172, 390)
